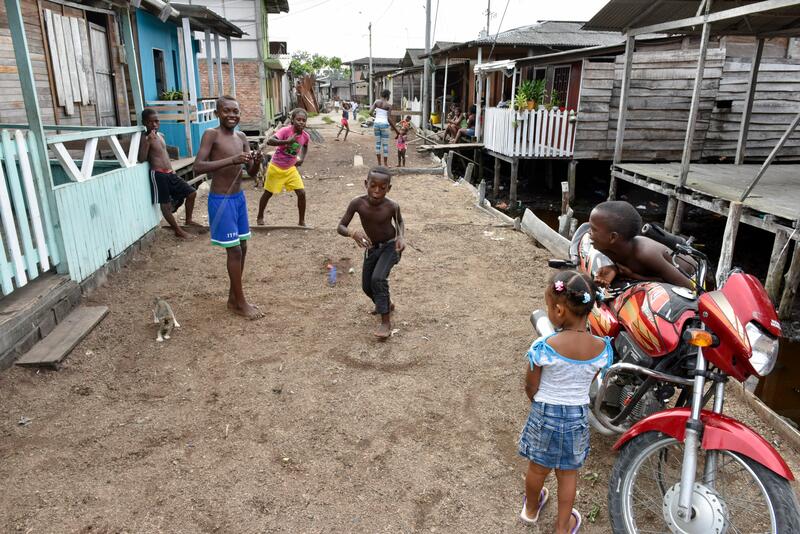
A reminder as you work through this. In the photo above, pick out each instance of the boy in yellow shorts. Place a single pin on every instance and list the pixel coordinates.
(292, 142)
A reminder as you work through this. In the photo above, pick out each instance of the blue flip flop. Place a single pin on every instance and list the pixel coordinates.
(543, 496)
(577, 515)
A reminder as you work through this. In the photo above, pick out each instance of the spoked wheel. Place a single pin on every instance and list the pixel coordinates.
(743, 497)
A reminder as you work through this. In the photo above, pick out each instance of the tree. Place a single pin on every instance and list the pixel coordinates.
(304, 63)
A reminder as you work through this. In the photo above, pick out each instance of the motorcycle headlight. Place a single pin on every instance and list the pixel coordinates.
(765, 349)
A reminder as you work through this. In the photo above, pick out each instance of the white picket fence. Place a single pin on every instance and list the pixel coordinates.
(539, 133)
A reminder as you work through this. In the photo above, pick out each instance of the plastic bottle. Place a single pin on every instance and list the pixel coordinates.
(331, 275)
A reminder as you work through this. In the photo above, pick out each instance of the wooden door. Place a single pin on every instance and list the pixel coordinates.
(103, 76)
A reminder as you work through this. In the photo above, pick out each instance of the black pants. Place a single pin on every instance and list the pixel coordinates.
(378, 263)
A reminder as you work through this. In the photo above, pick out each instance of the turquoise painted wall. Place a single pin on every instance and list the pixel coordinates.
(175, 134)
(162, 35)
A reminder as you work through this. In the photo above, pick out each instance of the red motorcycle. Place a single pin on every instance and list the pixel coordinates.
(683, 468)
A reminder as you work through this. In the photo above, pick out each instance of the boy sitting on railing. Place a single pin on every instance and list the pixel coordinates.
(168, 189)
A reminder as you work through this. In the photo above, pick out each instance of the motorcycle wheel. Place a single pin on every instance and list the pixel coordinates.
(746, 497)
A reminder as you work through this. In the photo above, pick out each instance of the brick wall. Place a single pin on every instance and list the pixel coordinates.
(248, 91)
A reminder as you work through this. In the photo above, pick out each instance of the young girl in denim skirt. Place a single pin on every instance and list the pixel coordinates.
(559, 371)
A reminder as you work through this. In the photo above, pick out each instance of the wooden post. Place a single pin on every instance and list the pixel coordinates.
(777, 262)
(468, 172)
(623, 111)
(677, 222)
(190, 57)
(219, 64)
(565, 219)
(672, 204)
(512, 192)
(132, 60)
(478, 132)
(728, 241)
(496, 184)
(232, 83)
(450, 165)
(187, 112)
(790, 288)
(571, 171)
(768, 161)
(741, 145)
(481, 192)
(444, 89)
(695, 106)
(28, 84)
(209, 64)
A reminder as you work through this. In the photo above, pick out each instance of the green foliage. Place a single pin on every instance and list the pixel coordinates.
(554, 100)
(171, 95)
(520, 101)
(526, 90)
(538, 91)
(327, 120)
(304, 63)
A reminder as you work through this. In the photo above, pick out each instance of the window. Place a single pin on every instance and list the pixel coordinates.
(561, 83)
(161, 73)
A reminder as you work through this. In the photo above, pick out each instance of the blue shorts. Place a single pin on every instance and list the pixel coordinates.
(556, 436)
(227, 217)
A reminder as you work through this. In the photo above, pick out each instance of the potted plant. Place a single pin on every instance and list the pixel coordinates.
(538, 92)
(520, 102)
(526, 89)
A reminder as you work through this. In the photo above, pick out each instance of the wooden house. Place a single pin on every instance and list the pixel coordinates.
(72, 193)
(170, 74)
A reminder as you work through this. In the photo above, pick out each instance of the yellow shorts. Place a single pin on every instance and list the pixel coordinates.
(279, 179)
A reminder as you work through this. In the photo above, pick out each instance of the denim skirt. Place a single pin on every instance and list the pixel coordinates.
(556, 436)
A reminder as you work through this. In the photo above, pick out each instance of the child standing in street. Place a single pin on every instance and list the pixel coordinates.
(382, 108)
(559, 371)
(401, 147)
(345, 121)
(382, 238)
(292, 143)
(222, 153)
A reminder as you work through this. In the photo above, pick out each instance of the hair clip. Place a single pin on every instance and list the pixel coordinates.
(600, 295)
(587, 298)
(559, 285)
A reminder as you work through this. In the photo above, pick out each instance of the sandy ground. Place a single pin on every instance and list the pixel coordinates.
(299, 422)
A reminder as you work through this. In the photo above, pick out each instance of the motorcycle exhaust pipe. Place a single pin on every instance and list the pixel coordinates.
(541, 324)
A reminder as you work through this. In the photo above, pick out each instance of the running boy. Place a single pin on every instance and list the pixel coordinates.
(345, 124)
(222, 153)
(615, 228)
(282, 170)
(402, 141)
(558, 372)
(383, 239)
(170, 190)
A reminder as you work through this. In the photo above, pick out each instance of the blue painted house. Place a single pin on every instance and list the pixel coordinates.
(167, 68)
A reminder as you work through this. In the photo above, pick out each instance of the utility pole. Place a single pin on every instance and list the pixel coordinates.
(426, 73)
(488, 15)
(371, 100)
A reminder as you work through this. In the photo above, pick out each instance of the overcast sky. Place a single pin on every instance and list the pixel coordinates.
(339, 27)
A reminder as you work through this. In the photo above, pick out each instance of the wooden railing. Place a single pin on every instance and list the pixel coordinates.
(176, 111)
(539, 133)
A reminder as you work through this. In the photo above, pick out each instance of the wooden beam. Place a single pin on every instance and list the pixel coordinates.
(191, 82)
(89, 154)
(777, 262)
(478, 132)
(496, 184)
(672, 206)
(209, 63)
(630, 44)
(512, 190)
(677, 221)
(790, 287)
(219, 65)
(728, 241)
(571, 172)
(771, 157)
(741, 145)
(232, 74)
(187, 123)
(695, 107)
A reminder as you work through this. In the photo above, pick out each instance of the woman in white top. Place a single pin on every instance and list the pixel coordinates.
(382, 109)
(559, 371)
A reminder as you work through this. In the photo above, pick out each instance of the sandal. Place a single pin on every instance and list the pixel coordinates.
(543, 496)
(577, 515)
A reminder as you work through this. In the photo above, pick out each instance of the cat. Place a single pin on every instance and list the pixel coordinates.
(164, 318)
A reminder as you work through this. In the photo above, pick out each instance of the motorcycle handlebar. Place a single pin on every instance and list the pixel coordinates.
(657, 233)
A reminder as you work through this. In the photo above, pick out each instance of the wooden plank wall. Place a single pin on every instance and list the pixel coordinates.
(658, 106)
(777, 102)
(591, 136)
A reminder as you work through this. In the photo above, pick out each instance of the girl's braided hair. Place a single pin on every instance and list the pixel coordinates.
(297, 111)
(576, 290)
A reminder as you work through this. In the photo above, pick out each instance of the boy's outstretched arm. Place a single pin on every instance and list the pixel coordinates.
(400, 240)
(144, 146)
(358, 236)
(201, 163)
(668, 272)
(276, 141)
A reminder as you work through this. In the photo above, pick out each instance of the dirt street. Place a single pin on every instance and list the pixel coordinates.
(301, 421)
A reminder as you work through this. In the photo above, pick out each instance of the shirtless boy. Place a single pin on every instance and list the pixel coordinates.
(615, 227)
(170, 190)
(383, 239)
(222, 153)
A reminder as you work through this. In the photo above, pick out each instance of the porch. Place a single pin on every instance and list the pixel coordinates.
(539, 133)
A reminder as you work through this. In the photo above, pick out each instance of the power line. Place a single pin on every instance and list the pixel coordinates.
(292, 13)
(435, 20)
(498, 31)
(385, 11)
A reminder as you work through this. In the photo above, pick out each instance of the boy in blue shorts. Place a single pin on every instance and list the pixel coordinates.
(222, 153)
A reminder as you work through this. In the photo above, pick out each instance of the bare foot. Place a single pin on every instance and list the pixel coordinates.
(246, 310)
(192, 223)
(301, 223)
(260, 222)
(375, 311)
(384, 331)
(182, 234)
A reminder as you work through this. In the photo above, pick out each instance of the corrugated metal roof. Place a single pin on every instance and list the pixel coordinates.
(277, 6)
(619, 15)
(382, 61)
(201, 18)
(548, 33)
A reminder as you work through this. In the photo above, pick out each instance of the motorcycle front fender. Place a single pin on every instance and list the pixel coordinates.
(720, 433)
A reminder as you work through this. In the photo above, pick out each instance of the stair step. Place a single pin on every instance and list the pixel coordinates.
(50, 351)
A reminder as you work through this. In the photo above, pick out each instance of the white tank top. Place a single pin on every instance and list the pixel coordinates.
(381, 116)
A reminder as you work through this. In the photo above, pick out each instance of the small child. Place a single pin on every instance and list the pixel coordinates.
(223, 151)
(170, 190)
(345, 125)
(401, 147)
(382, 237)
(559, 371)
(292, 143)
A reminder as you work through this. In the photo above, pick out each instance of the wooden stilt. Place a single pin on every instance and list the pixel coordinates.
(450, 165)
(512, 193)
(481, 193)
(496, 185)
(677, 222)
(790, 288)
(571, 171)
(612, 188)
(777, 262)
(468, 173)
(565, 219)
(672, 205)
(729, 241)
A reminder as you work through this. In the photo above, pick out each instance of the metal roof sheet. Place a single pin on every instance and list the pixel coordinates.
(202, 18)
